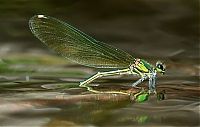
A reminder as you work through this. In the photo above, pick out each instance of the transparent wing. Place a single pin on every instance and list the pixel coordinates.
(77, 46)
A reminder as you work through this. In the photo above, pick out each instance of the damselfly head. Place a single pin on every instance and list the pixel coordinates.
(160, 67)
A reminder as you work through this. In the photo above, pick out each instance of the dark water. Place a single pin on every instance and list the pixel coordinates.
(38, 88)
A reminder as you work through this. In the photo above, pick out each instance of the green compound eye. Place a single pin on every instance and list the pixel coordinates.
(142, 97)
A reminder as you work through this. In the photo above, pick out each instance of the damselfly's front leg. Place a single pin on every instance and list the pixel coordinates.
(152, 83)
(103, 74)
(139, 81)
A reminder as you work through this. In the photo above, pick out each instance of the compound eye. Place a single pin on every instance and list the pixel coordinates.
(160, 66)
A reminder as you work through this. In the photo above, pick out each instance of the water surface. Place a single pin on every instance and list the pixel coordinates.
(48, 95)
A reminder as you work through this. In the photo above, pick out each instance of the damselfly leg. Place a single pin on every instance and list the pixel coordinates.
(152, 83)
(103, 74)
(139, 81)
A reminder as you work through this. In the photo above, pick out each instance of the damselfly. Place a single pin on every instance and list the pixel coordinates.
(76, 46)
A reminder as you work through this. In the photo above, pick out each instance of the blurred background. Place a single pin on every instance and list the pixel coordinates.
(40, 88)
(159, 28)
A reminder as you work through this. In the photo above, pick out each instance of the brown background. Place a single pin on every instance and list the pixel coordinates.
(148, 28)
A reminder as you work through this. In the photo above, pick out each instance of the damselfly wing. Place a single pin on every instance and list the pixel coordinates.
(76, 45)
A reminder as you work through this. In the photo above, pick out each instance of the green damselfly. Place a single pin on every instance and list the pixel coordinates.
(78, 47)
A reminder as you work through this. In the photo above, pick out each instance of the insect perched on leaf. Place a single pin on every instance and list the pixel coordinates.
(76, 46)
